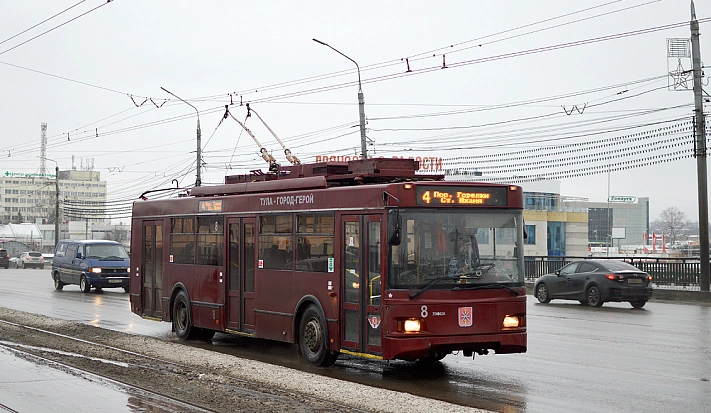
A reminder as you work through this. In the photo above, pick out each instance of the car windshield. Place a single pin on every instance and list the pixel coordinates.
(106, 251)
(457, 248)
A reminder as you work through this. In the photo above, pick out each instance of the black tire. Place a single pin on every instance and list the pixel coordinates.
(58, 285)
(183, 318)
(593, 296)
(41, 267)
(313, 338)
(125, 289)
(638, 303)
(84, 285)
(542, 294)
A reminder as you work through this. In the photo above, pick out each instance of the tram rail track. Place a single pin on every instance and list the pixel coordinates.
(200, 386)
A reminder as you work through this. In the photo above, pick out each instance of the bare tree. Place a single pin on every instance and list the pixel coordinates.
(671, 221)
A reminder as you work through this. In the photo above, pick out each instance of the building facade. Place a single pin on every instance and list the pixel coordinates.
(32, 197)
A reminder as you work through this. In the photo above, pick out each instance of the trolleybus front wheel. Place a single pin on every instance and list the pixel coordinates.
(313, 338)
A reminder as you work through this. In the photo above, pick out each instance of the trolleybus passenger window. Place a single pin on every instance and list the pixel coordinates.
(314, 242)
(210, 240)
(182, 240)
(275, 251)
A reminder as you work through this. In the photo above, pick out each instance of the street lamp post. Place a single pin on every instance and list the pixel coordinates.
(56, 201)
(198, 181)
(361, 102)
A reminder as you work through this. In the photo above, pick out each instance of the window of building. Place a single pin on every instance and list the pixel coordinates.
(531, 233)
(182, 240)
(210, 240)
(556, 238)
(276, 241)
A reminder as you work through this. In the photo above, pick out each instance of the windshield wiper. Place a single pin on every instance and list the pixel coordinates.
(433, 282)
(111, 257)
(487, 286)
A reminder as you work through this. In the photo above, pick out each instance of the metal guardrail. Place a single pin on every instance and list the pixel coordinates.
(667, 273)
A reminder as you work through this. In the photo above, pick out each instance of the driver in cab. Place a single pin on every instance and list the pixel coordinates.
(465, 260)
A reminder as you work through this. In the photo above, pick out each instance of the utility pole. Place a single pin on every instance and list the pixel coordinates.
(56, 205)
(700, 153)
(361, 102)
(198, 180)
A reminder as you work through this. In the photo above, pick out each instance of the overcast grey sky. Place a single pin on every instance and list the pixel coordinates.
(529, 88)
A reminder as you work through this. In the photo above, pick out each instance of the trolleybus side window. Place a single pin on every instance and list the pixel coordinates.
(314, 242)
(182, 240)
(210, 240)
(276, 241)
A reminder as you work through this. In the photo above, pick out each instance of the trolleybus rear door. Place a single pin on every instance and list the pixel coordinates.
(240, 274)
(152, 270)
(361, 277)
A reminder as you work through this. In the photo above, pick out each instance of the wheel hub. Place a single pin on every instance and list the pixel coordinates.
(312, 335)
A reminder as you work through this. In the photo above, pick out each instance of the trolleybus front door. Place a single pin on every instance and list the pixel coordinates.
(240, 274)
(361, 277)
(152, 270)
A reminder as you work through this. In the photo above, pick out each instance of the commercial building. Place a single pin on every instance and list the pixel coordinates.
(28, 197)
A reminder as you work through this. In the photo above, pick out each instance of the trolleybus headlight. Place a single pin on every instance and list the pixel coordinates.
(411, 326)
(512, 321)
(95, 270)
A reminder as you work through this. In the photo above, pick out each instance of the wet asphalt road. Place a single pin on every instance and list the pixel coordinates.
(581, 359)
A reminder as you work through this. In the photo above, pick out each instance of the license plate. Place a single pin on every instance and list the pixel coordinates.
(634, 281)
(114, 281)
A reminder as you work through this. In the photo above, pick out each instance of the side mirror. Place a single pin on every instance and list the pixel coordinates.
(78, 255)
(394, 228)
(557, 272)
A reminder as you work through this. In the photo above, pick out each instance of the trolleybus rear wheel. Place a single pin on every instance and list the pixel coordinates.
(182, 318)
(313, 338)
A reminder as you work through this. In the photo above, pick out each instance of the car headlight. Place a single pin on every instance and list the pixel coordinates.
(95, 270)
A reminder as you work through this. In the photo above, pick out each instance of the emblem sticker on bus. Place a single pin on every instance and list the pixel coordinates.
(466, 316)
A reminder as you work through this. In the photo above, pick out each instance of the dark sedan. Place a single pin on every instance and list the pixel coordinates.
(594, 282)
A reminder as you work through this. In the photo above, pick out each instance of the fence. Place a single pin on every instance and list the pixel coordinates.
(667, 273)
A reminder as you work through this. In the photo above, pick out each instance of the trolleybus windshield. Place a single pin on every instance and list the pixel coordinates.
(458, 248)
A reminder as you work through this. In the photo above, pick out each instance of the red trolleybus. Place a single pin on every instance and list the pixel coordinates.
(364, 258)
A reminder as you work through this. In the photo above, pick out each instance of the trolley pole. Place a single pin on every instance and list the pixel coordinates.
(700, 153)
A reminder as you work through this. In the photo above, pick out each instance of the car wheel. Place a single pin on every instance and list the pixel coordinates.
(41, 267)
(542, 294)
(593, 296)
(313, 338)
(84, 285)
(125, 289)
(58, 285)
(182, 318)
(638, 303)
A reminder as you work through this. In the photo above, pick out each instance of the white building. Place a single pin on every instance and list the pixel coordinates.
(28, 197)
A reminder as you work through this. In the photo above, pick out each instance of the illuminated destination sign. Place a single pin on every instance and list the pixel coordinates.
(210, 206)
(462, 196)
